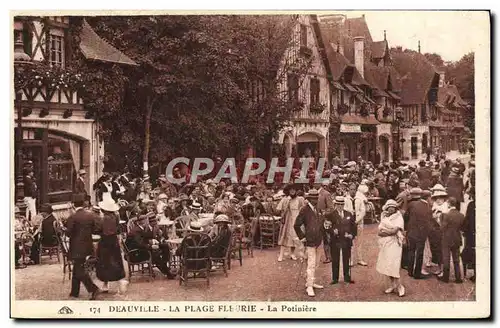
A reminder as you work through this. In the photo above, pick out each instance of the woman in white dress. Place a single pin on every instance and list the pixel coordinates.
(289, 207)
(390, 231)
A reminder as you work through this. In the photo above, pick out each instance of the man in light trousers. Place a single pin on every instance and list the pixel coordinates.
(312, 235)
(360, 201)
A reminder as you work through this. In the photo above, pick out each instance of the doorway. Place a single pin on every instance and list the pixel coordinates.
(414, 147)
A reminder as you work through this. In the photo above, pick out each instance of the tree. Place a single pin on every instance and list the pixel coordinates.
(204, 85)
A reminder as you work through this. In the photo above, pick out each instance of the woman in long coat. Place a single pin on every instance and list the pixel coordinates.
(109, 265)
(390, 231)
(289, 207)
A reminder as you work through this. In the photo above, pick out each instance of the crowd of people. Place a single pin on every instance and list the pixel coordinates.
(418, 209)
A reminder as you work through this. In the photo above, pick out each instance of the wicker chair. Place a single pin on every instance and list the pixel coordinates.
(145, 266)
(195, 258)
(52, 249)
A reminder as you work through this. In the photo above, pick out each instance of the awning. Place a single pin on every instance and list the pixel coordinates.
(369, 100)
(350, 87)
(380, 93)
(357, 119)
(338, 86)
(358, 89)
(360, 97)
(393, 95)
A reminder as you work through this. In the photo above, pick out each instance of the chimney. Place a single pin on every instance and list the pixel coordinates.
(385, 38)
(441, 79)
(418, 46)
(359, 54)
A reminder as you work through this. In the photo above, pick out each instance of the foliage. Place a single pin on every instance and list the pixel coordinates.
(195, 83)
(364, 110)
(342, 109)
(41, 75)
(317, 108)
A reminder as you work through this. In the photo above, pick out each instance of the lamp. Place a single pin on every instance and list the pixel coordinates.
(21, 59)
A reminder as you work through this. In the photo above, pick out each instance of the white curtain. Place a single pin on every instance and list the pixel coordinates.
(74, 147)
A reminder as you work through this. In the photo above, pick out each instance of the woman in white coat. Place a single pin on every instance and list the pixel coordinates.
(390, 231)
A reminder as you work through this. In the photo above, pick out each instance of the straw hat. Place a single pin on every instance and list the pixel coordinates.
(312, 194)
(195, 206)
(82, 171)
(390, 203)
(439, 193)
(162, 196)
(222, 218)
(438, 187)
(109, 205)
(195, 226)
(339, 200)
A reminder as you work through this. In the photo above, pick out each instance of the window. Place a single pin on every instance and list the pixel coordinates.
(314, 91)
(63, 156)
(293, 88)
(303, 35)
(56, 49)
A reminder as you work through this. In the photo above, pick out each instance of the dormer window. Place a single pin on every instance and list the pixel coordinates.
(55, 45)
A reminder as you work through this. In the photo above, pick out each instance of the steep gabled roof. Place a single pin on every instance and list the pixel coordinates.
(417, 74)
(378, 49)
(94, 47)
(358, 27)
(449, 94)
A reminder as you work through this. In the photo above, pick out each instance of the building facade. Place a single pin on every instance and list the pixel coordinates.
(54, 131)
(307, 134)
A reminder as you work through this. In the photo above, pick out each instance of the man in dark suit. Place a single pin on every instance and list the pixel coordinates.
(419, 215)
(451, 225)
(341, 226)
(455, 186)
(141, 238)
(80, 227)
(424, 174)
(311, 220)
(325, 206)
(469, 252)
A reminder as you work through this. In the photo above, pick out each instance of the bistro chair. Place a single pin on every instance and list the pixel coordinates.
(144, 266)
(67, 263)
(269, 230)
(195, 262)
(49, 247)
(181, 225)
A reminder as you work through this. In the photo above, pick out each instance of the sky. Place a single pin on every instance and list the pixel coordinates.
(450, 34)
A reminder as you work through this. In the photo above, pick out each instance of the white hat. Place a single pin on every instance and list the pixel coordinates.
(109, 205)
(439, 193)
(362, 188)
(195, 226)
(82, 171)
(325, 183)
(195, 206)
(438, 187)
(162, 196)
(390, 203)
(222, 218)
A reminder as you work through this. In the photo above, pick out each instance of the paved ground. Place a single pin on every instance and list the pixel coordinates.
(261, 278)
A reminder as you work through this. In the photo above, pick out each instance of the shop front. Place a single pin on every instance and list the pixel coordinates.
(357, 140)
(57, 148)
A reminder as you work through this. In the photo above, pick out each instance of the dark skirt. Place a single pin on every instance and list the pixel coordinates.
(109, 265)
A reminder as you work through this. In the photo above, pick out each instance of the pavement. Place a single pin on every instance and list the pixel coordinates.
(261, 278)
